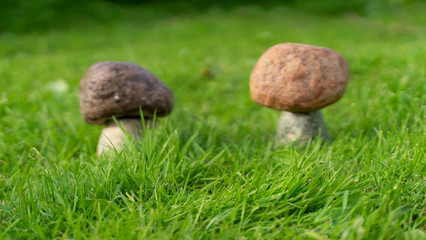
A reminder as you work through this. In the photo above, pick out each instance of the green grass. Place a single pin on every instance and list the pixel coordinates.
(211, 169)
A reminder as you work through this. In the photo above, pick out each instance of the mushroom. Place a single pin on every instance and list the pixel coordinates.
(117, 92)
(299, 80)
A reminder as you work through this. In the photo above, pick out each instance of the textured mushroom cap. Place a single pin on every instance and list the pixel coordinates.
(120, 89)
(298, 77)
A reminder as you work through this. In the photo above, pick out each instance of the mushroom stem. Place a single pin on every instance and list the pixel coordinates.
(112, 135)
(301, 127)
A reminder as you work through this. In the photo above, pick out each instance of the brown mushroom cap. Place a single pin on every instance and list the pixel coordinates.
(298, 77)
(120, 89)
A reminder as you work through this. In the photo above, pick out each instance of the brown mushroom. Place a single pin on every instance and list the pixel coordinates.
(121, 90)
(299, 80)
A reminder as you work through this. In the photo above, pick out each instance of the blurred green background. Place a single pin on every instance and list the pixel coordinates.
(41, 15)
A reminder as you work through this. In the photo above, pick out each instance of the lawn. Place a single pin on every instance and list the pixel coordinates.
(211, 169)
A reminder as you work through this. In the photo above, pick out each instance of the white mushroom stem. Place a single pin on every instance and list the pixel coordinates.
(300, 128)
(113, 137)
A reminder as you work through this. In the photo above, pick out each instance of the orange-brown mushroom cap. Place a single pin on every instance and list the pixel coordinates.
(298, 77)
(121, 89)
